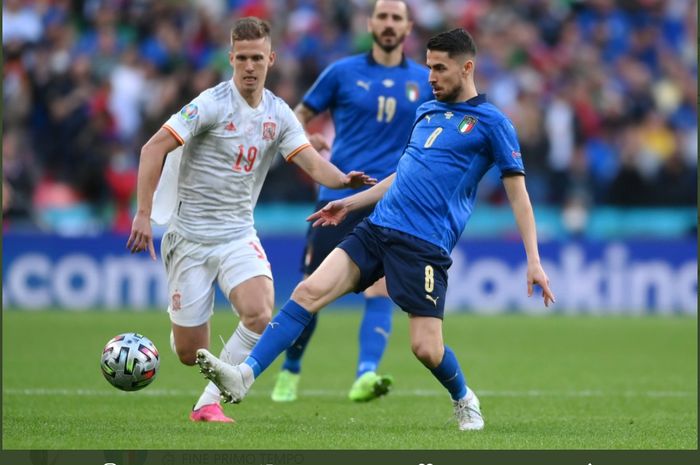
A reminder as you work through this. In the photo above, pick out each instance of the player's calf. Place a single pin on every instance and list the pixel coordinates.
(187, 358)
(185, 341)
(186, 353)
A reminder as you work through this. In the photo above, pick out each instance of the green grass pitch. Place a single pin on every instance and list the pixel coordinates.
(544, 382)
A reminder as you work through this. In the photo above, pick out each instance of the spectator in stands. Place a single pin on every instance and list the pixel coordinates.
(76, 72)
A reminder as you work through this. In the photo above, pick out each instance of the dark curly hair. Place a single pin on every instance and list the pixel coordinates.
(454, 42)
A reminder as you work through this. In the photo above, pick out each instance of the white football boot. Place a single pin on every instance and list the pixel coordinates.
(228, 378)
(468, 412)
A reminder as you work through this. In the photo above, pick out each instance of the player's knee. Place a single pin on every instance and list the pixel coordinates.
(429, 354)
(255, 313)
(307, 293)
(257, 320)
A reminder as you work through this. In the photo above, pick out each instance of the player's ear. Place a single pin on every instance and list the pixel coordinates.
(272, 59)
(231, 57)
(468, 67)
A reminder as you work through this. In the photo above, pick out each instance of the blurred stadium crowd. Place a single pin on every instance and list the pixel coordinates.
(603, 93)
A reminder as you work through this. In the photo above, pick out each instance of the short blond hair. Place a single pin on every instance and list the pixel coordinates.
(250, 28)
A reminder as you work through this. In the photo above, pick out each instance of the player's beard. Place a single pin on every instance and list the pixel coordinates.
(388, 48)
(452, 96)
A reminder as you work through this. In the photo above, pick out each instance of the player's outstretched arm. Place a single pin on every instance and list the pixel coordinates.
(335, 212)
(525, 218)
(150, 165)
(324, 172)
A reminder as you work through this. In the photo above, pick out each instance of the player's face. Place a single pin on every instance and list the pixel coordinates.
(389, 24)
(448, 76)
(250, 60)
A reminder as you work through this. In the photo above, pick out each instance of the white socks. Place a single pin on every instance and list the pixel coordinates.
(248, 376)
(236, 350)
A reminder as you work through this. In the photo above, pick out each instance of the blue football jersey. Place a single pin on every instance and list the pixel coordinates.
(373, 108)
(451, 146)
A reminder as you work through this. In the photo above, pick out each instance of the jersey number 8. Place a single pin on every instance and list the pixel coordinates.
(429, 279)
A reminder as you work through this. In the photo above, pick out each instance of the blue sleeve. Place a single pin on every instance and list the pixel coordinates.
(322, 93)
(505, 149)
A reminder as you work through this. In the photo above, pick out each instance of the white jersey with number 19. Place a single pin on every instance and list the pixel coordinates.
(228, 148)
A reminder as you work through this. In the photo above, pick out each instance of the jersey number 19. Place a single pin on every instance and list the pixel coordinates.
(250, 159)
(386, 108)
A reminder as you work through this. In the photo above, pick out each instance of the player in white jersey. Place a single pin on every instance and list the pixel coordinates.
(230, 135)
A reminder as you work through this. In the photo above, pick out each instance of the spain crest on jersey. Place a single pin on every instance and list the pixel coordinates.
(412, 92)
(467, 124)
(268, 130)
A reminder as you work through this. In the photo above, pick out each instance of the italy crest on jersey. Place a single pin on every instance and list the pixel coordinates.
(412, 92)
(268, 131)
(189, 112)
(467, 124)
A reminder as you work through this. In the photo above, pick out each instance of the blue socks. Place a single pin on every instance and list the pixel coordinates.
(373, 337)
(280, 333)
(374, 333)
(292, 362)
(450, 375)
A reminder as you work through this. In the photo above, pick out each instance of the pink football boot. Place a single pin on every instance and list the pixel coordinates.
(210, 412)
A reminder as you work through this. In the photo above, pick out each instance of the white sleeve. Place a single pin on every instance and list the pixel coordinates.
(194, 118)
(165, 196)
(292, 136)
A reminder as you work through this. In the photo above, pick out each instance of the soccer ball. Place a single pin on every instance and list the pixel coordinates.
(130, 361)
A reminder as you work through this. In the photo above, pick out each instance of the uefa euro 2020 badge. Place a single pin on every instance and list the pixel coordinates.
(189, 112)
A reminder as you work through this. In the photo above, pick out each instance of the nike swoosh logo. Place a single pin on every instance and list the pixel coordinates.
(272, 324)
(433, 300)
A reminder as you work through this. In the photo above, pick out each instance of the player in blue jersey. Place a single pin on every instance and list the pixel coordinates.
(409, 236)
(372, 99)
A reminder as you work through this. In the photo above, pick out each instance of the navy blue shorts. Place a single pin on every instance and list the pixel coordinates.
(415, 270)
(321, 241)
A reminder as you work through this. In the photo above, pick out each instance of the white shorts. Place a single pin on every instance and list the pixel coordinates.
(192, 267)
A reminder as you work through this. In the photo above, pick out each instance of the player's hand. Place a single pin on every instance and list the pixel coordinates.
(536, 275)
(357, 179)
(330, 215)
(141, 236)
(319, 142)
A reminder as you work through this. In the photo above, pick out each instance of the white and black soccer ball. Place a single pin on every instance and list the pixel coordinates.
(130, 361)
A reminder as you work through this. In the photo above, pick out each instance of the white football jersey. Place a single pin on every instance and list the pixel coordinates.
(228, 148)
